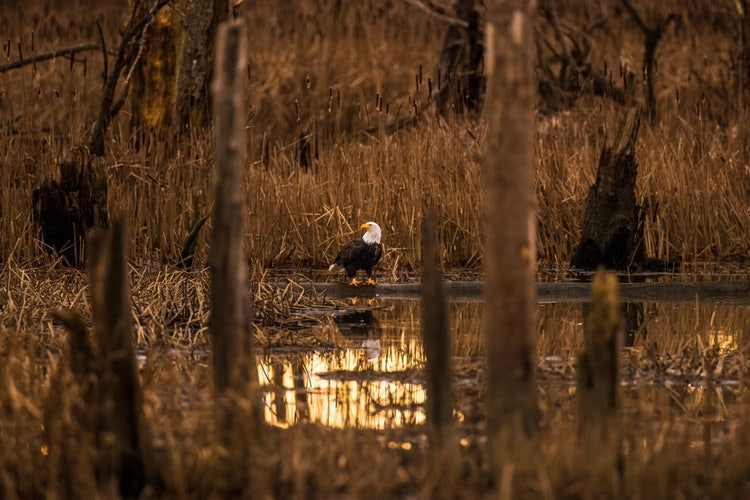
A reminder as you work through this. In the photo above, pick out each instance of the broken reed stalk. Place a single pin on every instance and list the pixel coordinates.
(438, 373)
(599, 383)
(121, 400)
(510, 251)
(187, 254)
(230, 307)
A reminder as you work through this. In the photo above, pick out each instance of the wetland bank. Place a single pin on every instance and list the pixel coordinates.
(341, 381)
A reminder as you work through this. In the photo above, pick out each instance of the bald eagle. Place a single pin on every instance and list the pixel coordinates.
(362, 253)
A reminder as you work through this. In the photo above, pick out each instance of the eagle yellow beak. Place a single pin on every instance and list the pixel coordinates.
(365, 226)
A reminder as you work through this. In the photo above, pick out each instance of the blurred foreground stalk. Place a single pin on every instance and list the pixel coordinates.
(599, 385)
(107, 372)
(230, 307)
(438, 373)
(510, 251)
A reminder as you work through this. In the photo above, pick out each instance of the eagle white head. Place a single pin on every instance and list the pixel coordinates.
(372, 233)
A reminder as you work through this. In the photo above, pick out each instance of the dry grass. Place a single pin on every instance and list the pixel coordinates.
(317, 74)
(316, 71)
(685, 407)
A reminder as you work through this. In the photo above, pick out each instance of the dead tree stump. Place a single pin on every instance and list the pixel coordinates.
(611, 234)
(230, 306)
(121, 403)
(510, 247)
(107, 372)
(66, 210)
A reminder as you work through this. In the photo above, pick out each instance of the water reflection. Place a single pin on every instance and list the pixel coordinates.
(373, 381)
(373, 378)
(361, 325)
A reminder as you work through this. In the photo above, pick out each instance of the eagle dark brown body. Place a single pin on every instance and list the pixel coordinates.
(362, 253)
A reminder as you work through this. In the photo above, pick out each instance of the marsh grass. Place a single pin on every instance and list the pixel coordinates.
(320, 77)
(685, 409)
(325, 73)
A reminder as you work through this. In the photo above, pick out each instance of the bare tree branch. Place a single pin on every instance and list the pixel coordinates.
(127, 55)
(105, 56)
(437, 12)
(48, 55)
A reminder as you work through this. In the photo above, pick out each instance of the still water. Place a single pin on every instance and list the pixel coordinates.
(680, 360)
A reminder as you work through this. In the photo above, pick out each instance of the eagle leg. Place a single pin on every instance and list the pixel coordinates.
(371, 282)
(354, 282)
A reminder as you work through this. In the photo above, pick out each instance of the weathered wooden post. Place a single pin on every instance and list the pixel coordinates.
(599, 384)
(230, 306)
(510, 226)
(438, 373)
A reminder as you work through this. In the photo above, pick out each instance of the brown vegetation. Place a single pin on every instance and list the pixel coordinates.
(340, 86)
(327, 73)
(684, 431)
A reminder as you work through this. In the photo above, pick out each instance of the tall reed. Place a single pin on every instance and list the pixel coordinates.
(321, 75)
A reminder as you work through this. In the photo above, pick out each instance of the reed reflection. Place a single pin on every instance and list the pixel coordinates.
(371, 376)
(370, 381)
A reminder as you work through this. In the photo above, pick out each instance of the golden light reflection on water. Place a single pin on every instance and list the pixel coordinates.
(369, 383)
(343, 390)
(374, 379)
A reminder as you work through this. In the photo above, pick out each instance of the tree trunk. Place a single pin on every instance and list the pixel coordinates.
(195, 60)
(121, 403)
(510, 253)
(745, 54)
(152, 95)
(171, 81)
(106, 372)
(230, 318)
(460, 85)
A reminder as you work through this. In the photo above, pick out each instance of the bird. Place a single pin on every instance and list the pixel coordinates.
(362, 253)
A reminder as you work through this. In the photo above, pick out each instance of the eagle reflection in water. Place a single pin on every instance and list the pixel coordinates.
(361, 325)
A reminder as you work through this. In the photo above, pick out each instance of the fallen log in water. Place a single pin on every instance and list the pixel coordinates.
(728, 292)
